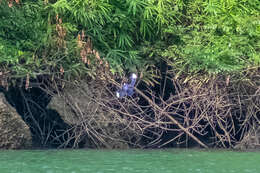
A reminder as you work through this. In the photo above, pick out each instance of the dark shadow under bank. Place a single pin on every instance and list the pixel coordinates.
(45, 124)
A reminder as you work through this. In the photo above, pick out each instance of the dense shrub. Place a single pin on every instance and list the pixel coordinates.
(22, 33)
(39, 38)
(70, 36)
(216, 36)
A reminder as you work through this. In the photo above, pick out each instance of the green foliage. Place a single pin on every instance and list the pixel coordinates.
(216, 36)
(117, 27)
(21, 34)
(213, 36)
(28, 43)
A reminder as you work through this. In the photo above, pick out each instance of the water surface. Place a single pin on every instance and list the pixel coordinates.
(128, 161)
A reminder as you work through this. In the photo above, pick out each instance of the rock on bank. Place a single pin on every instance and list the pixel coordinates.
(14, 133)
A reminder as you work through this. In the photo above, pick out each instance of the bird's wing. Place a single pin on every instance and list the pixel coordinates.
(130, 91)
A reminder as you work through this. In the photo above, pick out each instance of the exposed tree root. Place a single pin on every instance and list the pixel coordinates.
(211, 111)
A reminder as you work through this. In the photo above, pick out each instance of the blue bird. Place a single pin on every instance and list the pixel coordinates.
(127, 89)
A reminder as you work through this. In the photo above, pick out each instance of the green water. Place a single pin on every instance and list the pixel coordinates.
(128, 161)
